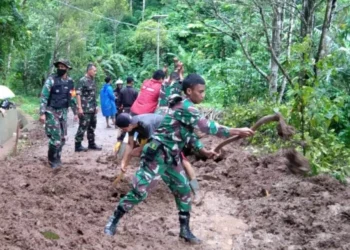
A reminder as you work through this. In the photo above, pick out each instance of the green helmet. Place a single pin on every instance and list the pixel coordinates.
(64, 62)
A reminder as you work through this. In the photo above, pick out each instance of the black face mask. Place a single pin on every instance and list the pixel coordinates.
(61, 72)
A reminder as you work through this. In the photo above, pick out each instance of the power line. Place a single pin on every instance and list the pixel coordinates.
(128, 24)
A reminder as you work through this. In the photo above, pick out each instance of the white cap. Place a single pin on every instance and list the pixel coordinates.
(119, 81)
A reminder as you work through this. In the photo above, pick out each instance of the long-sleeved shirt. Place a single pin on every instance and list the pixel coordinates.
(86, 89)
(45, 95)
(177, 128)
(167, 90)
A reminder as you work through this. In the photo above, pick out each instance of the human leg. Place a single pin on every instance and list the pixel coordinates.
(91, 132)
(79, 137)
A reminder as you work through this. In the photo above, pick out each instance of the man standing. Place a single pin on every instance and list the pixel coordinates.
(118, 88)
(127, 95)
(87, 109)
(56, 97)
(147, 100)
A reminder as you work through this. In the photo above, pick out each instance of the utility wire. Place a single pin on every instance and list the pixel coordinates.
(128, 24)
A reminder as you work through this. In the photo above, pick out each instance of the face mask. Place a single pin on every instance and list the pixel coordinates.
(61, 72)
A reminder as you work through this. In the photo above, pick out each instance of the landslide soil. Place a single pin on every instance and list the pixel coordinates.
(250, 203)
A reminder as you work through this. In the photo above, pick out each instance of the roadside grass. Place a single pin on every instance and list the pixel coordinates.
(28, 104)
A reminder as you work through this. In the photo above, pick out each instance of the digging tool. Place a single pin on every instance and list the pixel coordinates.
(297, 163)
(285, 131)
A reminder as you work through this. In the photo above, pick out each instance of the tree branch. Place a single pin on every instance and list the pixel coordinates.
(274, 57)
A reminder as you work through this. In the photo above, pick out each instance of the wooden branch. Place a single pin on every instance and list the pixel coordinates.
(260, 122)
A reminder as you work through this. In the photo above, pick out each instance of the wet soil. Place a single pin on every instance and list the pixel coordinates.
(250, 203)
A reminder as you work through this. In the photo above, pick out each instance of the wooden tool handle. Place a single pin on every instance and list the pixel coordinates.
(118, 179)
(260, 122)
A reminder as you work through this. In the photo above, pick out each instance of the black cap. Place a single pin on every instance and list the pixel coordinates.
(123, 120)
(64, 62)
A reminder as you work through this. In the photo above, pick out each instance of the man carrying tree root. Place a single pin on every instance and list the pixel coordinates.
(161, 156)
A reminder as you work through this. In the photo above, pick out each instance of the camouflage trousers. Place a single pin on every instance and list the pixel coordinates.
(87, 122)
(56, 127)
(163, 166)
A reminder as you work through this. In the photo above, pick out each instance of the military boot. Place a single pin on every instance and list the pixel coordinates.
(93, 146)
(53, 157)
(111, 226)
(59, 153)
(79, 147)
(185, 232)
(197, 193)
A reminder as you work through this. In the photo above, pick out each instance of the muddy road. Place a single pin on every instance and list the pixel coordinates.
(250, 203)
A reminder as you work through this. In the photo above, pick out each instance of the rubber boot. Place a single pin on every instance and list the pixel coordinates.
(93, 146)
(59, 153)
(79, 147)
(185, 232)
(197, 193)
(111, 226)
(53, 157)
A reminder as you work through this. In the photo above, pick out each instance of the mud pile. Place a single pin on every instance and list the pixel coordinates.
(250, 203)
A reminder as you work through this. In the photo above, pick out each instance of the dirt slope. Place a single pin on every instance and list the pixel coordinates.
(250, 203)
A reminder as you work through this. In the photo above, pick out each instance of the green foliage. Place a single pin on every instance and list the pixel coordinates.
(28, 104)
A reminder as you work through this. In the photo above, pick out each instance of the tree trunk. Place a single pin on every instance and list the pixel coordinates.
(307, 25)
(275, 47)
(307, 18)
(9, 60)
(143, 9)
(54, 52)
(289, 43)
(331, 4)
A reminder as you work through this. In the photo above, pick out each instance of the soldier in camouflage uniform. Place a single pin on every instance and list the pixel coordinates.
(87, 109)
(56, 97)
(171, 88)
(161, 156)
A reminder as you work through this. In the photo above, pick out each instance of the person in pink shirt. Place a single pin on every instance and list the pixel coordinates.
(147, 99)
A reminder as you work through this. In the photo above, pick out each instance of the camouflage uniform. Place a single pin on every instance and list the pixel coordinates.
(161, 159)
(165, 92)
(161, 156)
(86, 89)
(56, 118)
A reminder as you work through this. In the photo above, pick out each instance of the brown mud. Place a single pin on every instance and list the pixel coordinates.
(250, 203)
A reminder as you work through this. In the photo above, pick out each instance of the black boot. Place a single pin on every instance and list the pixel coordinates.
(185, 232)
(53, 157)
(111, 226)
(93, 146)
(79, 147)
(59, 153)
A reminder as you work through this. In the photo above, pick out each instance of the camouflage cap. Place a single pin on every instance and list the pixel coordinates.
(64, 62)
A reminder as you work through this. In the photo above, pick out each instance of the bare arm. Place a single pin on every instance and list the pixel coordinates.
(127, 154)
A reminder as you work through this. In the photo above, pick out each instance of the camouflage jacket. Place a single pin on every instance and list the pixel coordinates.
(86, 89)
(168, 90)
(45, 96)
(177, 128)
